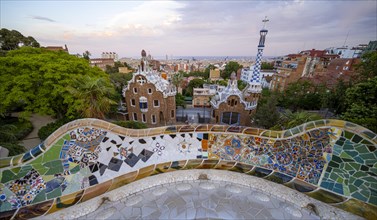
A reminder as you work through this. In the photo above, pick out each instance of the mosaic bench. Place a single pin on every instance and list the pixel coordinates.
(330, 160)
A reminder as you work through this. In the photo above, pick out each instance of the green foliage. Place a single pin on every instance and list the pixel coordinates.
(37, 80)
(267, 66)
(241, 84)
(267, 114)
(93, 97)
(222, 82)
(177, 79)
(131, 124)
(335, 99)
(230, 67)
(180, 100)
(115, 68)
(289, 119)
(13, 147)
(86, 55)
(48, 129)
(368, 67)
(119, 80)
(301, 95)
(12, 40)
(13, 129)
(195, 83)
(361, 104)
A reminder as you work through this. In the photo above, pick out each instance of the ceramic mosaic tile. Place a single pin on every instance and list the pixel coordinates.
(87, 161)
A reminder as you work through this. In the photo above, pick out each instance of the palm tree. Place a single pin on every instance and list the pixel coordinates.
(7, 132)
(93, 96)
(291, 119)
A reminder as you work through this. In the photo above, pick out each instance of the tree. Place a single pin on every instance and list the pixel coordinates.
(119, 80)
(230, 67)
(267, 66)
(361, 104)
(180, 100)
(291, 119)
(37, 79)
(367, 69)
(177, 79)
(12, 40)
(131, 124)
(195, 83)
(267, 114)
(86, 55)
(241, 84)
(92, 96)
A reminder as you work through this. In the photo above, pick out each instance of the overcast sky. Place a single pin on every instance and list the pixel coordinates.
(192, 28)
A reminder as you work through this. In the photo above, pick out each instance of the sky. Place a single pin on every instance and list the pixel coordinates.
(192, 28)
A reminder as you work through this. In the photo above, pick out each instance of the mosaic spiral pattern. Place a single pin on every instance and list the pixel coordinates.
(334, 161)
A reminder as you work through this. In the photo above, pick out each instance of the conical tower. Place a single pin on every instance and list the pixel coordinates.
(255, 85)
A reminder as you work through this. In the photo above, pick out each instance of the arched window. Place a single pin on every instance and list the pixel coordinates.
(143, 104)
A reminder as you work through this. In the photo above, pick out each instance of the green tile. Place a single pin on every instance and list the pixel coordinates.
(362, 149)
(55, 167)
(55, 193)
(75, 169)
(345, 155)
(359, 174)
(356, 166)
(365, 193)
(368, 156)
(16, 170)
(348, 167)
(7, 176)
(38, 160)
(348, 134)
(352, 188)
(359, 159)
(358, 182)
(359, 196)
(40, 197)
(5, 206)
(67, 137)
(53, 153)
(40, 168)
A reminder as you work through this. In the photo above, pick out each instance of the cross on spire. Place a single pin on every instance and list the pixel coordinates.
(265, 20)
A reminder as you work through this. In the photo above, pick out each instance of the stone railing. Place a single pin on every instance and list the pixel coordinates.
(330, 160)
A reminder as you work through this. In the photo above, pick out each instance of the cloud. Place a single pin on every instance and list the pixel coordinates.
(42, 18)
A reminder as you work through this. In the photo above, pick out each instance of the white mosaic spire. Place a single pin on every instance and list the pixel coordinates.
(255, 78)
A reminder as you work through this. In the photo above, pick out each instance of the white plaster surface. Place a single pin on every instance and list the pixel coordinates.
(159, 197)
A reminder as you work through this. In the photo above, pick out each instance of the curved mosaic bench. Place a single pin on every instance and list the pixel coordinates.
(333, 161)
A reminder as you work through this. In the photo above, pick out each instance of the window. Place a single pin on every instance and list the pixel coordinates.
(135, 116)
(143, 119)
(153, 119)
(135, 90)
(230, 118)
(149, 91)
(133, 102)
(143, 104)
(156, 103)
(172, 113)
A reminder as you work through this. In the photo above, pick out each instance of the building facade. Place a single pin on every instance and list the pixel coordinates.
(101, 62)
(149, 98)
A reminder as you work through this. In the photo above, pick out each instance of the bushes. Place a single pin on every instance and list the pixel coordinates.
(48, 129)
(14, 148)
(11, 130)
(131, 124)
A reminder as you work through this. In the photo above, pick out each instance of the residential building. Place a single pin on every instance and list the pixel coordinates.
(110, 55)
(214, 74)
(202, 96)
(102, 62)
(57, 48)
(149, 98)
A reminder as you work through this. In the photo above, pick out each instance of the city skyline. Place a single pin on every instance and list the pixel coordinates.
(197, 28)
